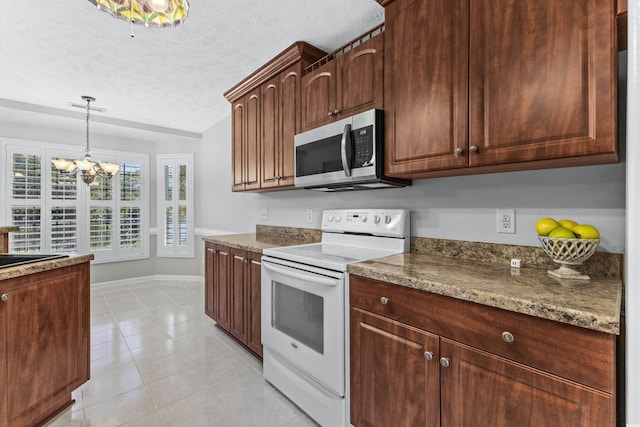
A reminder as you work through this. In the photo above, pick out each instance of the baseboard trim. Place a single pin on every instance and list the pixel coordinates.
(141, 279)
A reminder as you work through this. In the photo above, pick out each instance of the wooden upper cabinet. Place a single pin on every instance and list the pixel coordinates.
(473, 87)
(543, 80)
(360, 80)
(265, 117)
(425, 85)
(348, 84)
(270, 132)
(280, 99)
(319, 96)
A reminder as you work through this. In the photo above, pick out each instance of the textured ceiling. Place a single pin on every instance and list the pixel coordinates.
(53, 52)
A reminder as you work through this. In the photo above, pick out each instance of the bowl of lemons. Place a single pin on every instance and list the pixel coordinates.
(567, 243)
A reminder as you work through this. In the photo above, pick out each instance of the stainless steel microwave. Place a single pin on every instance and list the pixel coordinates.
(344, 155)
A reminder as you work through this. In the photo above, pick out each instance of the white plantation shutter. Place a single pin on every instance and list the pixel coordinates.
(175, 205)
(61, 214)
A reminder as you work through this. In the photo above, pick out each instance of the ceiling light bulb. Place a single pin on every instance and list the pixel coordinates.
(158, 5)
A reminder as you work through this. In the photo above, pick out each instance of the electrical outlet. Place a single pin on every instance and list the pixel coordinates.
(506, 221)
(309, 215)
(515, 263)
(264, 215)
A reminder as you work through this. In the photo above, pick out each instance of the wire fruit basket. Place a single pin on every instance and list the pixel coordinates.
(568, 252)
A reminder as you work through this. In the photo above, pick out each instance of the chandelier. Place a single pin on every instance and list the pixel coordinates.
(86, 167)
(150, 13)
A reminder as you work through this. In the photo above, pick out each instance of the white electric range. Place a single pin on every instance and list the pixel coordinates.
(305, 307)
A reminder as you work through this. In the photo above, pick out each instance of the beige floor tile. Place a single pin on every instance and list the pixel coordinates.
(158, 360)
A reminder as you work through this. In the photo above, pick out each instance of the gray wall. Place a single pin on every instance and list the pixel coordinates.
(461, 208)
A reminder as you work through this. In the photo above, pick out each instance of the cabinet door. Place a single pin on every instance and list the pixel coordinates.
(290, 122)
(46, 321)
(425, 86)
(542, 81)
(270, 136)
(481, 389)
(360, 78)
(222, 286)
(393, 383)
(254, 340)
(239, 269)
(252, 143)
(209, 272)
(319, 96)
(237, 145)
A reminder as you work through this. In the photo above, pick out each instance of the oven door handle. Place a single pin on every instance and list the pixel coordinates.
(345, 143)
(307, 278)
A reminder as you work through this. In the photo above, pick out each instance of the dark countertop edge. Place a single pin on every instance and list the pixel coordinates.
(599, 322)
(38, 267)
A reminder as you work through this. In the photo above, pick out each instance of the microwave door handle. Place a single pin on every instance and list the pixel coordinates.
(346, 139)
(306, 278)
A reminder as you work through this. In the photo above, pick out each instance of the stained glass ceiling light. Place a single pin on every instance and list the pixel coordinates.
(88, 168)
(150, 13)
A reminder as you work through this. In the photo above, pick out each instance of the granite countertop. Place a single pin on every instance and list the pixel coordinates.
(267, 237)
(40, 266)
(592, 304)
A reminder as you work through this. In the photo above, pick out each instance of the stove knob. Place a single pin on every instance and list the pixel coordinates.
(376, 219)
(364, 219)
(338, 217)
(387, 219)
(330, 217)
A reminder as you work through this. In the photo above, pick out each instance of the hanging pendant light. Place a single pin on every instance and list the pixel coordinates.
(150, 13)
(86, 166)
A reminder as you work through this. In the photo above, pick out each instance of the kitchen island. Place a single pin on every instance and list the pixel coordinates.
(44, 319)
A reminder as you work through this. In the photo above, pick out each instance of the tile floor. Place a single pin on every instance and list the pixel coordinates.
(158, 360)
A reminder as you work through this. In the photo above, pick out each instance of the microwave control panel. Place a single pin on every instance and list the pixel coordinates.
(363, 147)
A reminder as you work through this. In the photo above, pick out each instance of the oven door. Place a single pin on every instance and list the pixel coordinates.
(303, 319)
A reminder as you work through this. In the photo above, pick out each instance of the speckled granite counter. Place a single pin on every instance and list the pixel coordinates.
(37, 267)
(267, 237)
(592, 304)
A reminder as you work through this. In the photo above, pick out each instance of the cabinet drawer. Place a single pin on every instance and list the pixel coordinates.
(577, 354)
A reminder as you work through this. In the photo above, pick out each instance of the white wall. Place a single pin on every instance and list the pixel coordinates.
(633, 213)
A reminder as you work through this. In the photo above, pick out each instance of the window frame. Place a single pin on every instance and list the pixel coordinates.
(83, 202)
(174, 250)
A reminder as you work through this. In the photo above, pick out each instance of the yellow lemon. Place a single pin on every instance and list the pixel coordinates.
(569, 223)
(562, 232)
(586, 231)
(544, 226)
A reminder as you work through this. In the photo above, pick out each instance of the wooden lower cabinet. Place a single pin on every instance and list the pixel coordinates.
(406, 370)
(44, 345)
(232, 293)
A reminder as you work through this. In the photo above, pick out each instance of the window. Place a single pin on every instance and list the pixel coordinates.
(175, 205)
(60, 214)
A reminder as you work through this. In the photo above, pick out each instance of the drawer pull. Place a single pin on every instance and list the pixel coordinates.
(428, 355)
(444, 362)
(4, 297)
(507, 337)
(384, 300)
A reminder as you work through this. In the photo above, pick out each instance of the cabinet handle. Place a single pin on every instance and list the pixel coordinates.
(458, 151)
(4, 297)
(330, 114)
(336, 112)
(384, 300)
(473, 148)
(428, 355)
(444, 362)
(508, 336)
(211, 251)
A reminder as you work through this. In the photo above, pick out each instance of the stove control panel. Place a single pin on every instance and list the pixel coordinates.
(378, 222)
